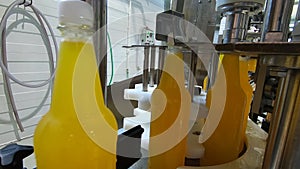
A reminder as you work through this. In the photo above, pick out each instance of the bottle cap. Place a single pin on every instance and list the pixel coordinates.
(75, 12)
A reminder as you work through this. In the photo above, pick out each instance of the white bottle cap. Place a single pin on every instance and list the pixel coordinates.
(75, 12)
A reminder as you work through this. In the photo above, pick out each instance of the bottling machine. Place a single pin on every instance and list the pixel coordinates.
(242, 69)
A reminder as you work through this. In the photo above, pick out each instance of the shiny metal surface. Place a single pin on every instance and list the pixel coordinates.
(277, 18)
(249, 5)
(146, 68)
(236, 27)
(274, 149)
(260, 80)
(296, 30)
(213, 70)
(237, 17)
(192, 73)
(152, 66)
(161, 60)
(292, 62)
(297, 19)
(292, 151)
(281, 145)
(201, 14)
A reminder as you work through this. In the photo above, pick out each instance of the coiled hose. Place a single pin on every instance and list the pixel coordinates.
(39, 24)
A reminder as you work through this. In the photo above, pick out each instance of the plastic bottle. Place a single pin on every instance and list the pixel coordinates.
(170, 113)
(79, 131)
(248, 90)
(225, 144)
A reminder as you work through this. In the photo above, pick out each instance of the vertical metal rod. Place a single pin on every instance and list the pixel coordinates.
(260, 81)
(191, 80)
(296, 33)
(213, 69)
(277, 17)
(161, 59)
(236, 27)
(146, 68)
(100, 40)
(279, 124)
(228, 28)
(152, 66)
(292, 150)
(297, 19)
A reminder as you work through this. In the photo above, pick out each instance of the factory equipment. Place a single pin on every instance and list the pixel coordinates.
(237, 15)
(232, 125)
(277, 59)
(277, 83)
(275, 29)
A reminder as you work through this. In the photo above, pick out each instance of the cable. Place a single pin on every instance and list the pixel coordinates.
(3, 62)
(11, 10)
(111, 60)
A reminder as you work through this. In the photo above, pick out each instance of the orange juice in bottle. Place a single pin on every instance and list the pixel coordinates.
(248, 90)
(170, 113)
(79, 131)
(226, 142)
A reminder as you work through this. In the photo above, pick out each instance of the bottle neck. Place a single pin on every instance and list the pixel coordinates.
(173, 71)
(73, 32)
(76, 43)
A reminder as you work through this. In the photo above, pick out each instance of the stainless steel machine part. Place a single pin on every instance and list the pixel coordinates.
(291, 154)
(161, 60)
(277, 19)
(202, 15)
(261, 72)
(152, 66)
(192, 72)
(283, 143)
(275, 29)
(276, 127)
(213, 70)
(296, 31)
(236, 26)
(237, 17)
(146, 68)
(226, 2)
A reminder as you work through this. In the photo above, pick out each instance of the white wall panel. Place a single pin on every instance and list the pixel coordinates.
(126, 31)
(28, 61)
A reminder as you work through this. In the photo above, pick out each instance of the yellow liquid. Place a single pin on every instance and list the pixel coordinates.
(170, 112)
(225, 143)
(252, 65)
(62, 140)
(205, 83)
(248, 90)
